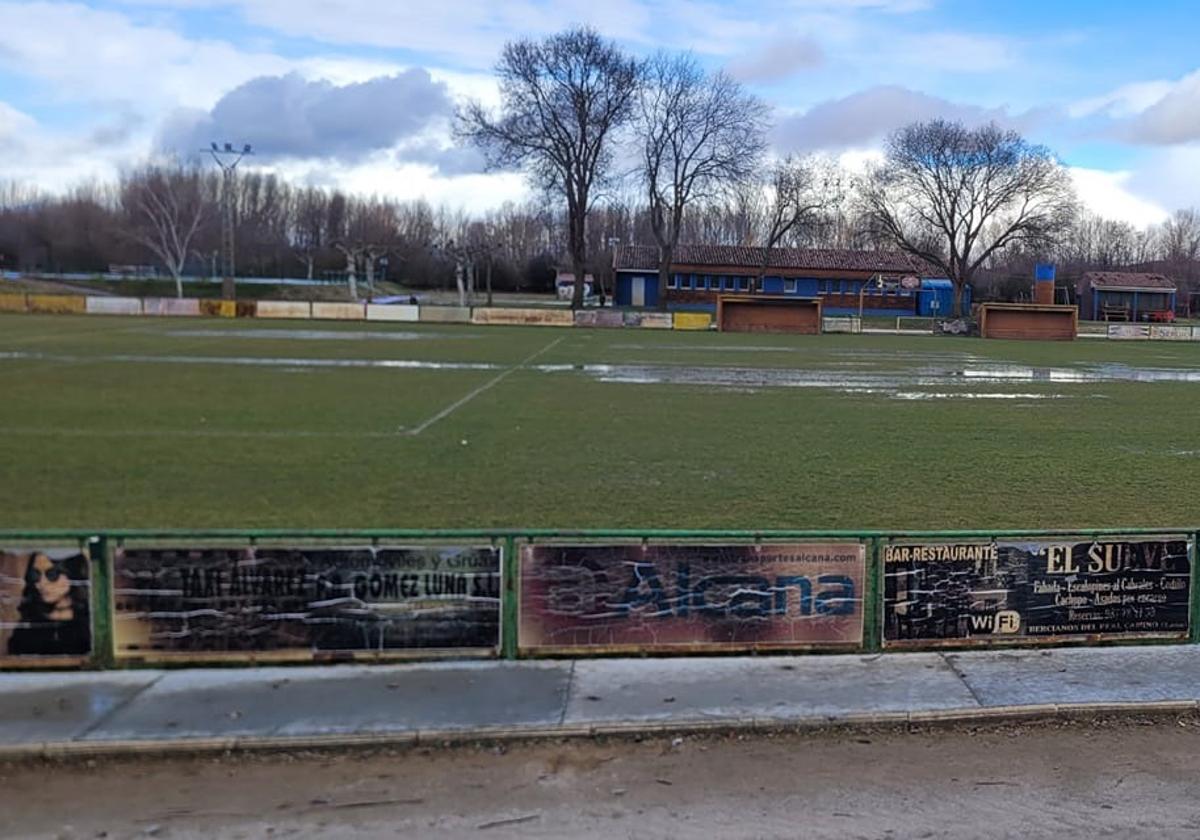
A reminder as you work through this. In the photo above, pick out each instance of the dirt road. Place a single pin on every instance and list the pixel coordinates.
(1083, 779)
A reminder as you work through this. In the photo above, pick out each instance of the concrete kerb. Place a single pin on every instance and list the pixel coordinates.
(166, 748)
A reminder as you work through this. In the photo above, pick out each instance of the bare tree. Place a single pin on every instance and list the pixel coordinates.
(802, 191)
(702, 133)
(368, 232)
(563, 100)
(307, 228)
(1180, 237)
(164, 208)
(955, 196)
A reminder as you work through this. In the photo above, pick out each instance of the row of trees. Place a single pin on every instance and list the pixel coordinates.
(286, 231)
(963, 200)
(169, 215)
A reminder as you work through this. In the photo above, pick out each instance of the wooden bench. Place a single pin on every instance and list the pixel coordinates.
(1115, 313)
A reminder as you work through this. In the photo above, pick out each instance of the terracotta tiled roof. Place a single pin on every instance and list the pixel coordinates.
(797, 259)
(1126, 280)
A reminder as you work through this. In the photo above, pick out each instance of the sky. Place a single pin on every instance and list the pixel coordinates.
(359, 94)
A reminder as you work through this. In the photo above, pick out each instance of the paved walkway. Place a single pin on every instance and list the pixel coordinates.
(213, 709)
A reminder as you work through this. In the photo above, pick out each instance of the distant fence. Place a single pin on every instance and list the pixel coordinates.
(117, 598)
(346, 311)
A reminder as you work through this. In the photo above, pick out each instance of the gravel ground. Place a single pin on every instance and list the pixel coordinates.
(1086, 778)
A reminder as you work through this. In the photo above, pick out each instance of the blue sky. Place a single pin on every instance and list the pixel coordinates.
(359, 93)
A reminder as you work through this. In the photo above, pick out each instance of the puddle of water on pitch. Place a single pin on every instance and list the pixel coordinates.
(925, 377)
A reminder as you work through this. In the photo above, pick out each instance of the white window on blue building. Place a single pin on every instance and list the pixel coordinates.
(789, 287)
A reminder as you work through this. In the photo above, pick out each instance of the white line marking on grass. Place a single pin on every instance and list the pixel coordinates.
(491, 383)
(50, 431)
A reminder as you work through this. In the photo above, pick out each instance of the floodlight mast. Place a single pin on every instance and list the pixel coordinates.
(228, 158)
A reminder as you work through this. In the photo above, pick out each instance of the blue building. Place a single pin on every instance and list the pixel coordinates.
(880, 282)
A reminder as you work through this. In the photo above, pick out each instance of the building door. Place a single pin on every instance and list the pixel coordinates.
(638, 289)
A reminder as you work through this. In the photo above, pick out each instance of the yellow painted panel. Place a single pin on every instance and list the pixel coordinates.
(692, 320)
(58, 304)
(12, 303)
(218, 308)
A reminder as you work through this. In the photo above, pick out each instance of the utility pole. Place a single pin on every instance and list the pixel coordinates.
(228, 158)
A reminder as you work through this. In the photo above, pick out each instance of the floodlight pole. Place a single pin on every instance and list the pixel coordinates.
(228, 158)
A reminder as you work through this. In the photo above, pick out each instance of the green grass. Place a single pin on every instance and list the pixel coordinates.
(168, 436)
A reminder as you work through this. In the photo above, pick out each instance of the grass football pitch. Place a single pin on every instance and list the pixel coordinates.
(182, 423)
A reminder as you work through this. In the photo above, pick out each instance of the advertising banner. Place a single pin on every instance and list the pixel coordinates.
(304, 599)
(671, 597)
(1170, 332)
(45, 603)
(1029, 591)
(1128, 331)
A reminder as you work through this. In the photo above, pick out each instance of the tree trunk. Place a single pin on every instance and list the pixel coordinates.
(578, 248)
(310, 260)
(664, 276)
(489, 281)
(577, 295)
(351, 280)
(458, 281)
(178, 283)
(958, 296)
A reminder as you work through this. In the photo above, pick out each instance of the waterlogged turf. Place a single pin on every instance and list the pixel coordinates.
(123, 422)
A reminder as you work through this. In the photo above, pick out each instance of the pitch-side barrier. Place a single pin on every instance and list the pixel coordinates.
(105, 599)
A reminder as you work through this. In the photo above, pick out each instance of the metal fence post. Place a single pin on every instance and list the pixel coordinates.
(873, 604)
(1193, 594)
(508, 600)
(102, 601)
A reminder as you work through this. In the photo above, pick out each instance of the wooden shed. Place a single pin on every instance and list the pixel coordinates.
(1035, 321)
(769, 313)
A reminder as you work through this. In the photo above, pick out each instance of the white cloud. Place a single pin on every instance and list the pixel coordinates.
(380, 175)
(1109, 195)
(1169, 177)
(869, 115)
(14, 124)
(1174, 118)
(83, 54)
(1124, 101)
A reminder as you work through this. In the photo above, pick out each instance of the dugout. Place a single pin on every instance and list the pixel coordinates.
(769, 314)
(1126, 296)
(1032, 321)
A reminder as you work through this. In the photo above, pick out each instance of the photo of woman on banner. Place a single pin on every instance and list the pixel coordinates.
(54, 614)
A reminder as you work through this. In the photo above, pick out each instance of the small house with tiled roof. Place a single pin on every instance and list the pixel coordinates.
(1125, 296)
(883, 282)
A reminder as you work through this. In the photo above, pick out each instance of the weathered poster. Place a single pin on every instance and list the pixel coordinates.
(45, 603)
(972, 593)
(314, 599)
(671, 597)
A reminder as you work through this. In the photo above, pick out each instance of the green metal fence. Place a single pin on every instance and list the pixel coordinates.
(101, 544)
